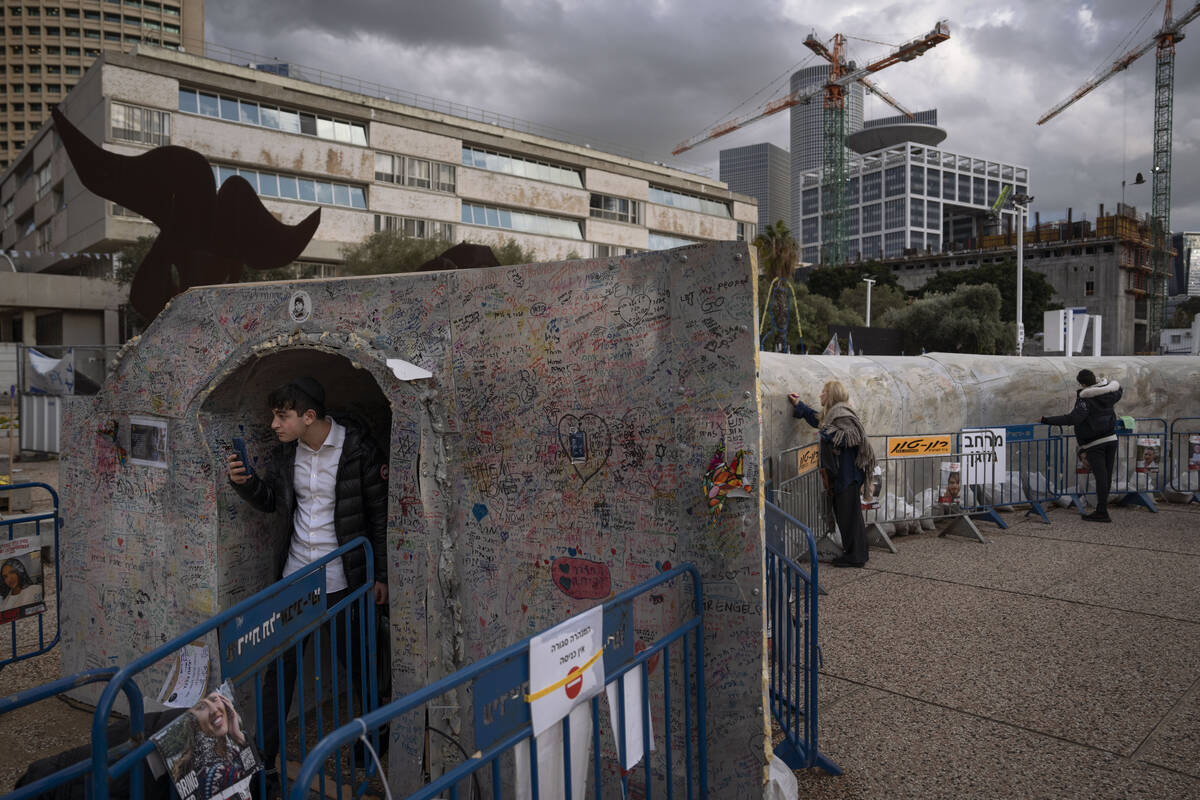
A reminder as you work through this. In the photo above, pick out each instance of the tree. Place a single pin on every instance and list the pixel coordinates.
(777, 253)
(386, 252)
(816, 314)
(511, 252)
(1003, 275)
(883, 299)
(832, 281)
(966, 320)
(1185, 312)
(129, 257)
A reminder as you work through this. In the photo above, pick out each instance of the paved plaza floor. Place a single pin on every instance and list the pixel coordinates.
(1054, 661)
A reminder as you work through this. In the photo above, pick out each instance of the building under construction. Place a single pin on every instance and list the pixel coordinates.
(1106, 266)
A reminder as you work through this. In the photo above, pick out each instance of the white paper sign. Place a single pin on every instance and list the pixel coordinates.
(983, 455)
(635, 746)
(552, 778)
(188, 678)
(566, 667)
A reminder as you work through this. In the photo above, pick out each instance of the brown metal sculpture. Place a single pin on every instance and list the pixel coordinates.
(205, 236)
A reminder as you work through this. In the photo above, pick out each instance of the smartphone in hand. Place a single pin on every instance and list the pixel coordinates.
(239, 447)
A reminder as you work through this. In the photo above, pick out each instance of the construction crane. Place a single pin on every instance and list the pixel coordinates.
(841, 75)
(1164, 101)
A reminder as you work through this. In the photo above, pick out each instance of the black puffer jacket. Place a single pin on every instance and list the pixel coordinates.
(360, 499)
(1094, 415)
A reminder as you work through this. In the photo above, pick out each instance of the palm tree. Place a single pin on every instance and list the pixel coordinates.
(777, 253)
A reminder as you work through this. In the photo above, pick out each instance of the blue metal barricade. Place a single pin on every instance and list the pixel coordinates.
(24, 595)
(259, 641)
(1025, 474)
(1140, 463)
(794, 651)
(498, 727)
(1185, 457)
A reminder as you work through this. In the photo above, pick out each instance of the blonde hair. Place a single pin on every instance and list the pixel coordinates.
(835, 393)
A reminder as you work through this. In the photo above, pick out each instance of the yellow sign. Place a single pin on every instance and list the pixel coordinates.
(806, 459)
(907, 446)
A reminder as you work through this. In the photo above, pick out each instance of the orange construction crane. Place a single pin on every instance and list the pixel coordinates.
(841, 75)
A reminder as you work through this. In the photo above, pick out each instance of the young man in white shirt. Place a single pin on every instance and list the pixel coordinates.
(332, 479)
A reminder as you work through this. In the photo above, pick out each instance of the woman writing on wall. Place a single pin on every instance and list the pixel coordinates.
(846, 458)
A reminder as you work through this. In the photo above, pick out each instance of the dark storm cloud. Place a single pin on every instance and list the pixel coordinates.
(648, 74)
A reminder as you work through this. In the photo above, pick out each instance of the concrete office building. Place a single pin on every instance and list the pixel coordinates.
(761, 171)
(807, 124)
(49, 45)
(370, 163)
(1104, 267)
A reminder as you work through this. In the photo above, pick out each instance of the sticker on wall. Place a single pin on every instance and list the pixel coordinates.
(148, 442)
(723, 480)
(301, 306)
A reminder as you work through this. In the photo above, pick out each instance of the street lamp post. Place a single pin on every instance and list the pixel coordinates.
(869, 282)
(1021, 204)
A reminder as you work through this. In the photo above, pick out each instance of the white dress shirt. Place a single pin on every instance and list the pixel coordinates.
(315, 482)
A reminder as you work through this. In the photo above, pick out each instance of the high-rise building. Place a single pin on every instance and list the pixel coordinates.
(49, 45)
(808, 128)
(1185, 277)
(926, 117)
(762, 171)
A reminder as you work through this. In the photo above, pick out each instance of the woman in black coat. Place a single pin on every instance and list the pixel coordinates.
(1095, 419)
(846, 458)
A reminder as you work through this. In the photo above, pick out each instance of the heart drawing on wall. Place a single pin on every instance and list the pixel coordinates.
(586, 443)
(633, 310)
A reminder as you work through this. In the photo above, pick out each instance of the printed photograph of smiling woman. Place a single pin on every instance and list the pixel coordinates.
(207, 753)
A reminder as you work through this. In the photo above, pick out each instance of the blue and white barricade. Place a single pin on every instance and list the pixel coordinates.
(530, 718)
(1141, 463)
(29, 605)
(794, 654)
(1184, 460)
(1008, 466)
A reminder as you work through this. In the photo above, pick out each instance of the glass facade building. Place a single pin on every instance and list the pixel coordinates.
(762, 171)
(808, 128)
(911, 199)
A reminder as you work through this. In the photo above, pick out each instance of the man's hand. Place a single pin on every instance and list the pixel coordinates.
(381, 593)
(237, 470)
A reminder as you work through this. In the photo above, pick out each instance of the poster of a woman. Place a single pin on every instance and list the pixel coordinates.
(206, 751)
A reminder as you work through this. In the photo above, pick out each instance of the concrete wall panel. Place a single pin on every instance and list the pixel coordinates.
(623, 349)
(689, 224)
(386, 199)
(597, 180)
(501, 189)
(139, 88)
(605, 232)
(406, 141)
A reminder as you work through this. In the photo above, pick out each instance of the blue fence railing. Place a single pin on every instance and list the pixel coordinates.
(1142, 463)
(794, 650)
(29, 607)
(288, 616)
(502, 758)
(1185, 457)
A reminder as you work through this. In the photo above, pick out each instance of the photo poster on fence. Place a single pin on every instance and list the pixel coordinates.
(148, 441)
(206, 751)
(1149, 455)
(951, 482)
(876, 489)
(984, 455)
(21, 590)
(1194, 452)
(1082, 467)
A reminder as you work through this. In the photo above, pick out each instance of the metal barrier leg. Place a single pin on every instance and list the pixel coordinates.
(1140, 499)
(877, 538)
(965, 527)
(1077, 501)
(1195, 498)
(1036, 508)
(992, 515)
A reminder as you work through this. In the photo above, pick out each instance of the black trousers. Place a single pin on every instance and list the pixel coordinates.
(348, 661)
(1102, 459)
(847, 510)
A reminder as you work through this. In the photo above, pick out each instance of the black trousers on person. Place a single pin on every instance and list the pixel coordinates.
(1102, 460)
(353, 672)
(847, 510)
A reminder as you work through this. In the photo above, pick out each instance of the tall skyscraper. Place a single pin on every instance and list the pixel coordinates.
(49, 45)
(808, 128)
(762, 171)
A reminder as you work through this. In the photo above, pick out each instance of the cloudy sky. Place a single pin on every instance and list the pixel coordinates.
(648, 74)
